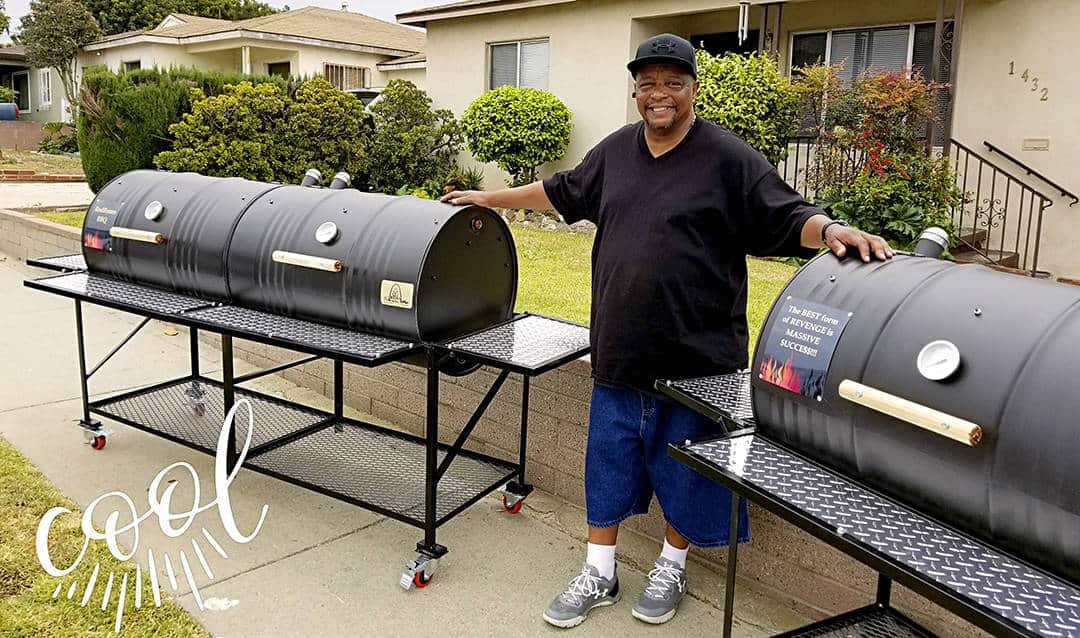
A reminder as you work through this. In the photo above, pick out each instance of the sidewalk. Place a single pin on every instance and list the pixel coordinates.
(44, 195)
(318, 567)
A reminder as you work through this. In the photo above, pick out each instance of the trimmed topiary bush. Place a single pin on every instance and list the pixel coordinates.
(518, 128)
(747, 95)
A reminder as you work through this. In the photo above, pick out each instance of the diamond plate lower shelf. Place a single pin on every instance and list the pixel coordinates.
(192, 410)
(381, 469)
(868, 622)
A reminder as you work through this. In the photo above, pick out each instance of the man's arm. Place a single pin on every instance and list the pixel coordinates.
(838, 238)
(531, 196)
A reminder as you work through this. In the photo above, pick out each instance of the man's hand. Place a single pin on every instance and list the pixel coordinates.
(839, 238)
(531, 196)
(463, 198)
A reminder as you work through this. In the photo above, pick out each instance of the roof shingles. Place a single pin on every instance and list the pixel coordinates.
(309, 22)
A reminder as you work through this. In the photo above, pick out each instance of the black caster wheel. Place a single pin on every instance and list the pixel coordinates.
(420, 580)
(515, 508)
(98, 442)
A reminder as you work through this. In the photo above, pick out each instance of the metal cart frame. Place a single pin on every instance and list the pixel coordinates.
(423, 482)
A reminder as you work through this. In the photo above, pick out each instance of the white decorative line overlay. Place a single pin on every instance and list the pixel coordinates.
(159, 501)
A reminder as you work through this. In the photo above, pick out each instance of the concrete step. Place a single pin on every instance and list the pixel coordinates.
(992, 257)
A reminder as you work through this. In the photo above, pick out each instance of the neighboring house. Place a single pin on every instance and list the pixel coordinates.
(40, 93)
(348, 49)
(1015, 83)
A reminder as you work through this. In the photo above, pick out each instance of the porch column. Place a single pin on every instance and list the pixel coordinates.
(958, 28)
(245, 60)
(935, 68)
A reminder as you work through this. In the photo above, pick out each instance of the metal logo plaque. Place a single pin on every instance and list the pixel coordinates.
(800, 346)
(397, 294)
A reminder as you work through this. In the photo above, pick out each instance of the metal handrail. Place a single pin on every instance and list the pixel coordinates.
(1032, 172)
(993, 211)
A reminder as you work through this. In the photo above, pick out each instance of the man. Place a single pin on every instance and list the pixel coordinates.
(678, 203)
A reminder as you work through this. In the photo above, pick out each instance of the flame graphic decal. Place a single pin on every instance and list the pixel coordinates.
(781, 375)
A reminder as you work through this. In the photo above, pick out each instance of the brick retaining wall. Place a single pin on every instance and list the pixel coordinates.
(21, 135)
(786, 563)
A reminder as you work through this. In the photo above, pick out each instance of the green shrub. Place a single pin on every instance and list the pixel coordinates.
(233, 134)
(257, 132)
(747, 95)
(411, 143)
(464, 179)
(58, 141)
(519, 129)
(7, 94)
(325, 129)
(124, 117)
(898, 197)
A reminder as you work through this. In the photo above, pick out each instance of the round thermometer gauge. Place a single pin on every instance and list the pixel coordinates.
(938, 360)
(326, 233)
(153, 211)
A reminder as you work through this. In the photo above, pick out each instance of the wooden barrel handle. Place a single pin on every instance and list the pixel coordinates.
(306, 261)
(134, 234)
(916, 414)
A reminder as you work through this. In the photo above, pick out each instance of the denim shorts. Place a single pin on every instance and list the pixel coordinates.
(626, 460)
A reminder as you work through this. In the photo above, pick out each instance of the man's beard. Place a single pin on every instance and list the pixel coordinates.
(660, 127)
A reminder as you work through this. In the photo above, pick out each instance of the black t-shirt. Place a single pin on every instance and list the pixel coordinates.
(669, 259)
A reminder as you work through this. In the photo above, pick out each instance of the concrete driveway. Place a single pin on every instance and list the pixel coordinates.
(44, 194)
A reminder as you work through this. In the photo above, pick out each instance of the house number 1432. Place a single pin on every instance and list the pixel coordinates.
(1027, 77)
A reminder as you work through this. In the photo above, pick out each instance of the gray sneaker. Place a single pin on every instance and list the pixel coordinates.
(584, 592)
(667, 584)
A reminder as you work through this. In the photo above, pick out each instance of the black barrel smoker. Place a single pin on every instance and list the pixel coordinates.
(922, 416)
(950, 387)
(335, 273)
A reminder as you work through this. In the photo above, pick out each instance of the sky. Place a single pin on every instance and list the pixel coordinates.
(382, 9)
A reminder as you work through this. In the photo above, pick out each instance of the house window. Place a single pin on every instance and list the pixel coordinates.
(347, 77)
(133, 65)
(45, 80)
(280, 69)
(519, 64)
(890, 48)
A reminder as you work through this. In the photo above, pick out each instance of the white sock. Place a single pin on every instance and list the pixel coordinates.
(671, 552)
(602, 557)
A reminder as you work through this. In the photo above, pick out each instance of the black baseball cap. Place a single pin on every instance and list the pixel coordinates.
(664, 49)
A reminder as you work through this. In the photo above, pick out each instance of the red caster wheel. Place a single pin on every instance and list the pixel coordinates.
(420, 581)
(98, 442)
(513, 509)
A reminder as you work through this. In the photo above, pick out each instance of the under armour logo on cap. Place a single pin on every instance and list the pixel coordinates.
(664, 47)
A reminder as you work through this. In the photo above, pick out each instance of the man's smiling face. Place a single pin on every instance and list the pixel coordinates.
(665, 95)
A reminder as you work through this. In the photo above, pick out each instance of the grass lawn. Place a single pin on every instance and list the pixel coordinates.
(554, 271)
(40, 162)
(27, 607)
(73, 217)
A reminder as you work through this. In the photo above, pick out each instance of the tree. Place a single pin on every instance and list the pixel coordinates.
(3, 18)
(53, 33)
(519, 129)
(412, 144)
(118, 16)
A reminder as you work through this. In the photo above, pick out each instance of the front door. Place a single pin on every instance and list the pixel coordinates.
(21, 84)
